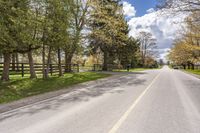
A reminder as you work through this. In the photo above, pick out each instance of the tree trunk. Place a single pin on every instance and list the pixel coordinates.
(31, 65)
(17, 61)
(105, 63)
(192, 66)
(68, 62)
(6, 66)
(59, 63)
(188, 66)
(184, 66)
(48, 62)
(13, 61)
(43, 63)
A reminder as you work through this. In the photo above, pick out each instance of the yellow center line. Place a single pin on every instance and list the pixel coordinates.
(126, 114)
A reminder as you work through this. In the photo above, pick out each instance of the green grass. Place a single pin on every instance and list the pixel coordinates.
(197, 72)
(18, 88)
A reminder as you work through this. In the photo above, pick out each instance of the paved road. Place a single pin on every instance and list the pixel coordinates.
(156, 101)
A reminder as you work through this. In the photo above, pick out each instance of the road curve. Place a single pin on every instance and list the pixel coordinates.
(154, 101)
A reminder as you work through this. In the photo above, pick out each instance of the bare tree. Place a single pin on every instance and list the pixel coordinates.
(79, 10)
(147, 45)
(180, 5)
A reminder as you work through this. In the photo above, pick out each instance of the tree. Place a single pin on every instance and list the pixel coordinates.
(186, 49)
(128, 53)
(109, 30)
(11, 13)
(55, 31)
(182, 54)
(180, 5)
(79, 10)
(161, 62)
(147, 46)
(30, 35)
(192, 32)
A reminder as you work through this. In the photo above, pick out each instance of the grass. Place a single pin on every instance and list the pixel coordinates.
(197, 72)
(18, 88)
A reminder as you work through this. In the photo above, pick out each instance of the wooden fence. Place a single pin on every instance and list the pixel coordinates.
(197, 67)
(23, 68)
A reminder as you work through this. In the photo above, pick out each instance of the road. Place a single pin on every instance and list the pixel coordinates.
(154, 101)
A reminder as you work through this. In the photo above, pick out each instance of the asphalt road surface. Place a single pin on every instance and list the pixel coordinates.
(154, 101)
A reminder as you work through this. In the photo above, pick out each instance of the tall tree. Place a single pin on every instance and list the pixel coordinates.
(109, 29)
(79, 12)
(128, 53)
(147, 46)
(11, 27)
(55, 30)
(186, 49)
(30, 35)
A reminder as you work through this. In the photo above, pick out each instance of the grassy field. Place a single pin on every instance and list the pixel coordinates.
(197, 72)
(18, 87)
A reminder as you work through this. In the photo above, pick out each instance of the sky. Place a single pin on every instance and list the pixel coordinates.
(141, 16)
(141, 6)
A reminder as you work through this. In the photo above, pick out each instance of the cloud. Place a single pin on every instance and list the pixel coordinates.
(128, 9)
(164, 28)
(150, 10)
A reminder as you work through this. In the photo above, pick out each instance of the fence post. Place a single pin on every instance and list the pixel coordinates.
(17, 66)
(22, 69)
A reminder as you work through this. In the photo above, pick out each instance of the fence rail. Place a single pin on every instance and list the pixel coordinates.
(23, 68)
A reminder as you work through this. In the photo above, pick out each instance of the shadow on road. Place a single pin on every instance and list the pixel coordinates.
(123, 73)
(82, 94)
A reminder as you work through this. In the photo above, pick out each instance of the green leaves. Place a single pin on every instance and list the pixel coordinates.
(108, 26)
(22, 23)
(9, 25)
(109, 32)
(57, 23)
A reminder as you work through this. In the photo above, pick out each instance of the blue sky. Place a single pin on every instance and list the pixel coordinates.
(142, 6)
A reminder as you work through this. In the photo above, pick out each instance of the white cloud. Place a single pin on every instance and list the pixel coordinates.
(150, 10)
(129, 10)
(163, 27)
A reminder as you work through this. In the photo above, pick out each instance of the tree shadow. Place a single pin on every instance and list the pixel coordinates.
(123, 73)
(83, 93)
(193, 89)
